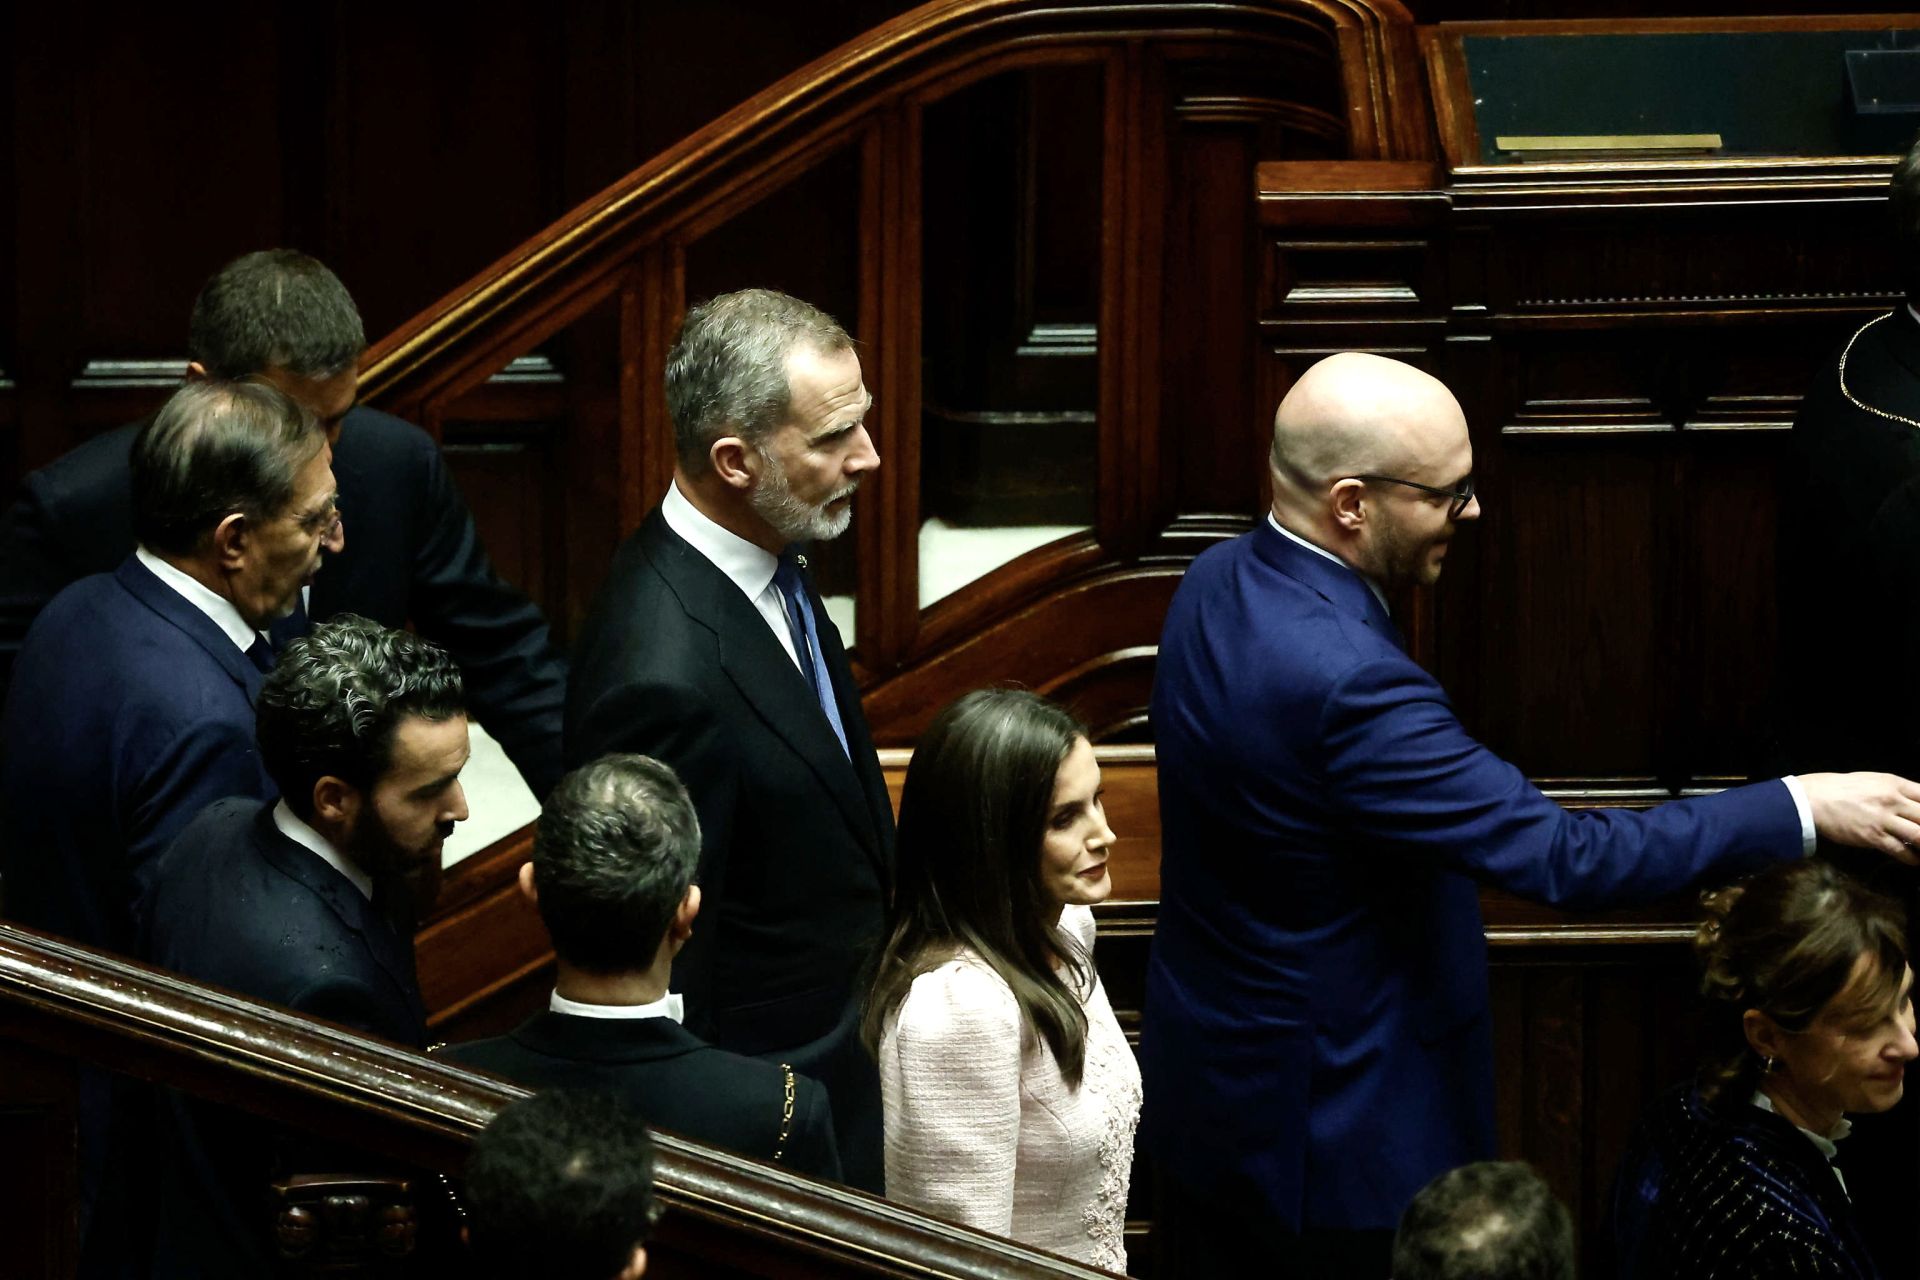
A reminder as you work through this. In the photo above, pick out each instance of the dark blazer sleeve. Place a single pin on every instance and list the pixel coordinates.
(811, 1148)
(674, 724)
(69, 519)
(209, 760)
(516, 681)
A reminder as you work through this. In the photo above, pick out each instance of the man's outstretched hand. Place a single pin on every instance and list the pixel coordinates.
(1867, 810)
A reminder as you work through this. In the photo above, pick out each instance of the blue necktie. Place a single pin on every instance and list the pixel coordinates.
(806, 641)
(260, 653)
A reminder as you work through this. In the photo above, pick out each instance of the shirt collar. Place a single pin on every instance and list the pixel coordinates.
(750, 567)
(667, 1006)
(1372, 586)
(1825, 1144)
(202, 597)
(306, 837)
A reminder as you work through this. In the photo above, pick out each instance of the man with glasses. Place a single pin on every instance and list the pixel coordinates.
(133, 706)
(1317, 1043)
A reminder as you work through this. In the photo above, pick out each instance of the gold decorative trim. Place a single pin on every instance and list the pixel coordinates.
(1854, 400)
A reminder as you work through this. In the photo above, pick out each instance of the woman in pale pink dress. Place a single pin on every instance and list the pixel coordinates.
(1011, 1095)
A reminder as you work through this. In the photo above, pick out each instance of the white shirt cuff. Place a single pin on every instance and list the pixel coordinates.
(1804, 808)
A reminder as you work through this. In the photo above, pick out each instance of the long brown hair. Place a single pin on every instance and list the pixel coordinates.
(973, 814)
(1785, 942)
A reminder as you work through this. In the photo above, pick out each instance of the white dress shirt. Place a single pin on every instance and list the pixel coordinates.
(667, 1006)
(306, 837)
(203, 598)
(1801, 805)
(747, 566)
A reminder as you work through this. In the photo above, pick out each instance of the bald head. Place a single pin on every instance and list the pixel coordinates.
(1359, 414)
(1354, 416)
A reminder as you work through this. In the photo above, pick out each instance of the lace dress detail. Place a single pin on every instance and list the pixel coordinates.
(1112, 1075)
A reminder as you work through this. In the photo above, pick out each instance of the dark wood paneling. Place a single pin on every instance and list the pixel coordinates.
(39, 1131)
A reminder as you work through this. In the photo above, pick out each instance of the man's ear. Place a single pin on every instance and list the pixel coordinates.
(680, 927)
(733, 459)
(1347, 501)
(231, 540)
(197, 372)
(528, 889)
(335, 801)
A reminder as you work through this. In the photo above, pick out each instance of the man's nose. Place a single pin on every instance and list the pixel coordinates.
(864, 457)
(335, 540)
(1472, 510)
(457, 810)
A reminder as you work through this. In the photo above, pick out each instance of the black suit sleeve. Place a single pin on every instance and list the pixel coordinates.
(811, 1148)
(1888, 637)
(516, 681)
(674, 725)
(33, 567)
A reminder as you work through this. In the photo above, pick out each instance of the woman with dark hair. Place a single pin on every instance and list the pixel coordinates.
(1732, 1176)
(1010, 1093)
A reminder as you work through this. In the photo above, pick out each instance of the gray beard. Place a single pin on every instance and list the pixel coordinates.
(773, 500)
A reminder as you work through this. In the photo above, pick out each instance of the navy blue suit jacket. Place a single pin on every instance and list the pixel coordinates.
(130, 712)
(239, 905)
(1317, 1044)
(412, 557)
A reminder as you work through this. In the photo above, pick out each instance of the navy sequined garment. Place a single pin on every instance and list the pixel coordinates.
(1730, 1192)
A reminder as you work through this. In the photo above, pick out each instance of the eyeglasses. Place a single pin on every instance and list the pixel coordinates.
(1461, 496)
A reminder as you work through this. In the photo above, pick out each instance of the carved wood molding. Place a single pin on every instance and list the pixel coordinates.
(64, 999)
(548, 281)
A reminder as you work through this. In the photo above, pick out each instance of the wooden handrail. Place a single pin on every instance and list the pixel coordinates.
(72, 1001)
(551, 279)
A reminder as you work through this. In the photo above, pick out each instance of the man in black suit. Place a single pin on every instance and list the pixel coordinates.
(612, 875)
(294, 902)
(1849, 566)
(709, 649)
(415, 557)
(1850, 536)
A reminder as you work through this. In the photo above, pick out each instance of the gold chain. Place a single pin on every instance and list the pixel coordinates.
(1854, 400)
(786, 1116)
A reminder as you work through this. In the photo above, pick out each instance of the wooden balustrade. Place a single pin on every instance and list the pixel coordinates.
(62, 1005)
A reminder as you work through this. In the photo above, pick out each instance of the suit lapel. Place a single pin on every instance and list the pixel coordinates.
(767, 678)
(169, 604)
(391, 952)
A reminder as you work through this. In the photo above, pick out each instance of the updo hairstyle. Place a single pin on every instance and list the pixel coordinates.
(1785, 942)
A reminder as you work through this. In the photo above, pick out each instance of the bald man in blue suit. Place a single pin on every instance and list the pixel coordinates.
(1317, 1043)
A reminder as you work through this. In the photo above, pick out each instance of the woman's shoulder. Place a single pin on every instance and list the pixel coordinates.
(960, 990)
(1078, 924)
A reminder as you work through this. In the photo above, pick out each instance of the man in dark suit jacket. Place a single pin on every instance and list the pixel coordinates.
(134, 706)
(1849, 566)
(709, 649)
(364, 730)
(612, 875)
(1850, 536)
(1317, 1042)
(415, 557)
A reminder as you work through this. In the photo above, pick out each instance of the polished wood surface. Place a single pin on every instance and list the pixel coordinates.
(726, 1216)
